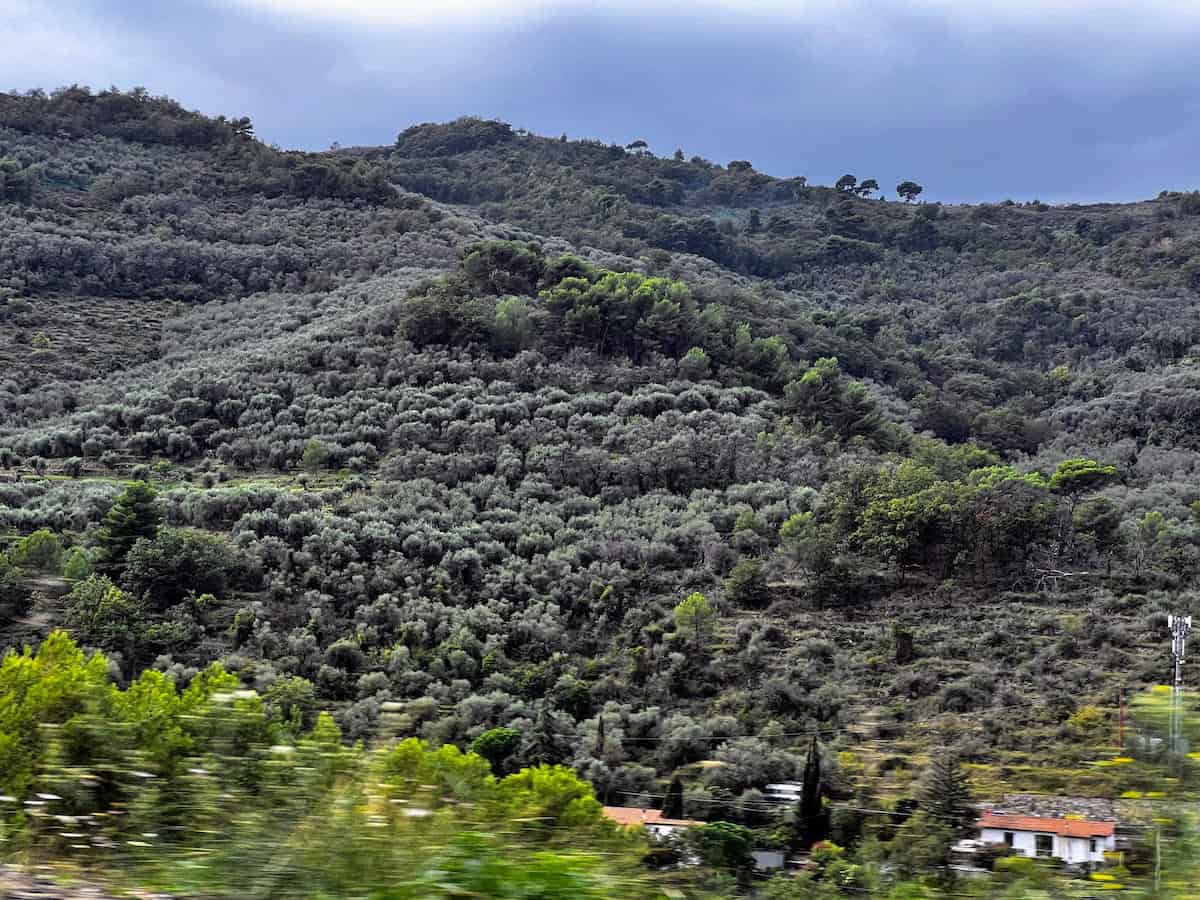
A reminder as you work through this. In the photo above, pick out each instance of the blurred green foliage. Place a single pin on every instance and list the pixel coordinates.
(200, 790)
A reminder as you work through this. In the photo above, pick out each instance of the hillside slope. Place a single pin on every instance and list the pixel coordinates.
(445, 433)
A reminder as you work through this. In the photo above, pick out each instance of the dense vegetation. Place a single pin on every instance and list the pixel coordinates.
(146, 777)
(215, 790)
(573, 455)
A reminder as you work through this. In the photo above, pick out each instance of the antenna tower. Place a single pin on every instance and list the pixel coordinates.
(1180, 627)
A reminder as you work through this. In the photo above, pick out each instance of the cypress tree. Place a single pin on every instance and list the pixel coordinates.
(810, 817)
(673, 803)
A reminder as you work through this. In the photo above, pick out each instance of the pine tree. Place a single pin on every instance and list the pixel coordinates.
(946, 793)
(696, 618)
(673, 802)
(134, 515)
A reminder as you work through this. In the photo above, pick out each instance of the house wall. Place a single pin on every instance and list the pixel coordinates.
(663, 831)
(765, 860)
(1069, 849)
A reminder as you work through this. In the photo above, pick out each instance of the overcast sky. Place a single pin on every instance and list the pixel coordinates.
(1062, 100)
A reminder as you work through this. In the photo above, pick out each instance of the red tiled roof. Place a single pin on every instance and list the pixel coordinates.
(630, 816)
(1063, 827)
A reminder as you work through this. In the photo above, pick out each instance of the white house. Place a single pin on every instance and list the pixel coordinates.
(1073, 840)
(652, 820)
(784, 792)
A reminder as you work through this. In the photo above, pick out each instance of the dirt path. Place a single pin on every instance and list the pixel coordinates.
(42, 617)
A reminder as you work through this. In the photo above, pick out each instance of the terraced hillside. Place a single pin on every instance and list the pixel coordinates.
(445, 435)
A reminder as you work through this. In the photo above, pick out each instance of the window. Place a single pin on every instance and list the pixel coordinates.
(1043, 844)
(1008, 839)
(1092, 845)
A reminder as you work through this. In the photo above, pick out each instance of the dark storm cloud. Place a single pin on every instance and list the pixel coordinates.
(1062, 101)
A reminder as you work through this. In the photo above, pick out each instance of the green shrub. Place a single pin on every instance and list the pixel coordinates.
(78, 565)
(747, 585)
(40, 551)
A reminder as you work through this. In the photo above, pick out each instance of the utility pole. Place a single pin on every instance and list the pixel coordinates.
(1180, 627)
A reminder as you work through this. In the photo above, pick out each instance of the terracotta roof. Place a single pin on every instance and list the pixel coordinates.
(630, 816)
(1063, 827)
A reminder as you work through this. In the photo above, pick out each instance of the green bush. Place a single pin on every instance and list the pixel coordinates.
(723, 845)
(40, 551)
(78, 565)
(747, 585)
(496, 745)
(176, 562)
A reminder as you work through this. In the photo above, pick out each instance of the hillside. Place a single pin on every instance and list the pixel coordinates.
(445, 434)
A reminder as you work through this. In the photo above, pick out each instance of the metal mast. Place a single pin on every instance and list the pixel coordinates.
(1180, 627)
